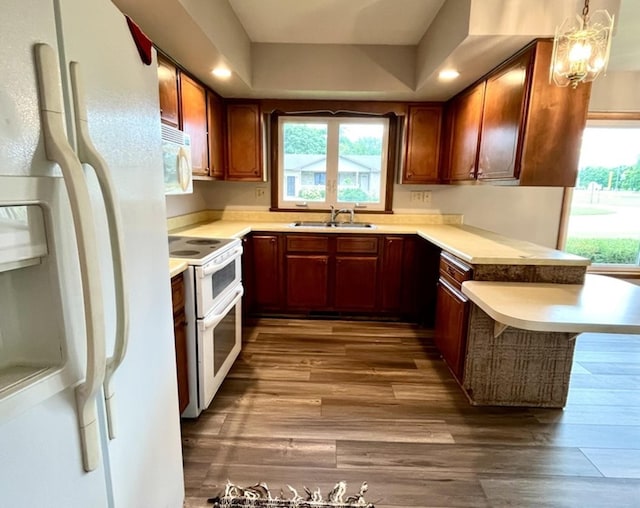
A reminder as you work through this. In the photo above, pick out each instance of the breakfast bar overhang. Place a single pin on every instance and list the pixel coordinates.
(522, 335)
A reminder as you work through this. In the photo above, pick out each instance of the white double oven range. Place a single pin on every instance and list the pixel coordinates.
(213, 294)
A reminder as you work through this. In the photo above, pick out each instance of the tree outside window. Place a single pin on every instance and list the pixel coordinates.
(604, 221)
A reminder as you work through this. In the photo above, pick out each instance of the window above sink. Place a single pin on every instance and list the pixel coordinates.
(332, 160)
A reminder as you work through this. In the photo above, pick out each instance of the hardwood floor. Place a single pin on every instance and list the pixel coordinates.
(314, 402)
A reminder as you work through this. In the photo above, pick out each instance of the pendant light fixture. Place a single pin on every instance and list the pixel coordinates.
(581, 48)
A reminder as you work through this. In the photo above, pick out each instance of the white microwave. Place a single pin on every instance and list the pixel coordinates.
(176, 154)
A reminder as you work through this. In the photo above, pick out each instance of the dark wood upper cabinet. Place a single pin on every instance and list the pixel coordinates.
(530, 132)
(244, 142)
(555, 121)
(422, 155)
(464, 132)
(168, 86)
(215, 122)
(193, 103)
(502, 120)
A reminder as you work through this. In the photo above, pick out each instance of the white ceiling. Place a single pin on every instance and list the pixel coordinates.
(360, 49)
(388, 22)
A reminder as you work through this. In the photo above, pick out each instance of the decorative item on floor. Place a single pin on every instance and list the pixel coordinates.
(581, 48)
(260, 496)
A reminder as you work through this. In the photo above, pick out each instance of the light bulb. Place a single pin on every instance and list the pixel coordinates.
(580, 51)
(221, 72)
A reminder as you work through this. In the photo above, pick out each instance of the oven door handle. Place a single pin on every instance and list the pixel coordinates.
(218, 265)
(214, 319)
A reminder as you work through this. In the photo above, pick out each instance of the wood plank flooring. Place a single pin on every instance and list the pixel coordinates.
(314, 402)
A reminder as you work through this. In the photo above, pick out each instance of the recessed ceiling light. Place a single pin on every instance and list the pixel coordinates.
(221, 72)
(448, 74)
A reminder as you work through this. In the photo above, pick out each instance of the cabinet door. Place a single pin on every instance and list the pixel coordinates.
(450, 332)
(244, 152)
(391, 273)
(168, 86)
(180, 335)
(502, 120)
(423, 144)
(307, 281)
(215, 123)
(266, 272)
(465, 134)
(555, 123)
(194, 122)
(356, 283)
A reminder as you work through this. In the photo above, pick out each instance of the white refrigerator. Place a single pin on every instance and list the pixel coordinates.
(88, 393)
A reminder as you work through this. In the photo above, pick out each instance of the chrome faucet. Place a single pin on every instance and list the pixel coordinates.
(335, 213)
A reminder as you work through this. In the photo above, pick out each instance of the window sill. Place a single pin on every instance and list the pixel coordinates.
(617, 271)
(327, 210)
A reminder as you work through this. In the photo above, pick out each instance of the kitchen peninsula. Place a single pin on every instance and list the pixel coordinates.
(505, 360)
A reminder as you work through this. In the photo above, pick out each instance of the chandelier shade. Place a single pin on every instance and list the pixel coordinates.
(581, 48)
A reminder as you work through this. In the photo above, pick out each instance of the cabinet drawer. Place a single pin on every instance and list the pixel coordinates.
(357, 244)
(454, 270)
(307, 243)
(177, 293)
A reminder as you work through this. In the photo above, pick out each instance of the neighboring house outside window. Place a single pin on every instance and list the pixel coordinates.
(332, 161)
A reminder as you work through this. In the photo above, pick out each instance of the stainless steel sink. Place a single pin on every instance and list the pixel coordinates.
(310, 224)
(319, 224)
(354, 225)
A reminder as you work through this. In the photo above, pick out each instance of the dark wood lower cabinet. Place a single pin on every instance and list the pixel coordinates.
(307, 281)
(452, 312)
(356, 283)
(391, 273)
(450, 334)
(265, 272)
(180, 337)
(390, 276)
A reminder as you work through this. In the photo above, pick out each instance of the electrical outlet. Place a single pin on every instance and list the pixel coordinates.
(260, 192)
(415, 197)
(426, 198)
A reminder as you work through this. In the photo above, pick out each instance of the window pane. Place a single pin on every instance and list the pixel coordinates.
(305, 161)
(359, 162)
(604, 222)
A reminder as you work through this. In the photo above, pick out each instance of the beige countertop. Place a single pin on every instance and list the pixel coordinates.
(602, 304)
(177, 266)
(473, 245)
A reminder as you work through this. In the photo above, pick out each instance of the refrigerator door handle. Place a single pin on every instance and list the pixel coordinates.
(58, 150)
(88, 154)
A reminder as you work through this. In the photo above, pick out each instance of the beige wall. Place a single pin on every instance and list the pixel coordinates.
(617, 91)
(527, 213)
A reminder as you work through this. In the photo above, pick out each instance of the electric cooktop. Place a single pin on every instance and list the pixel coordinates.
(199, 249)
